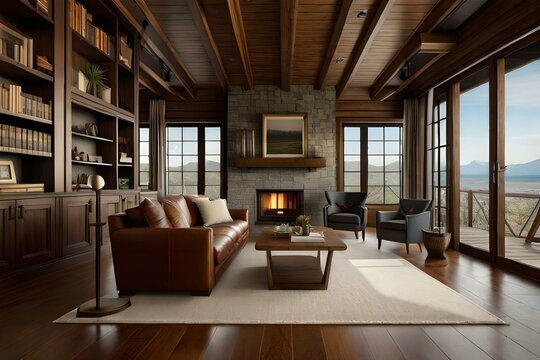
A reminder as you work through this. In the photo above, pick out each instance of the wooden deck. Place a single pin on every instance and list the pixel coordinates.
(515, 248)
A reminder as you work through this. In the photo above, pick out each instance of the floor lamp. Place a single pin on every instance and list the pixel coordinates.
(100, 306)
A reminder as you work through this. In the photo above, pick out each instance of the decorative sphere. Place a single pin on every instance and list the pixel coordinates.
(96, 182)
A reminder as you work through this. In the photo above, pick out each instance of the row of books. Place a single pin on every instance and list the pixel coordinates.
(24, 141)
(13, 99)
(16, 46)
(247, 143)
(80, 20)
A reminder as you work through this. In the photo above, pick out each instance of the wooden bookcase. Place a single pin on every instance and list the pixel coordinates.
(115, 118)
(27, 126)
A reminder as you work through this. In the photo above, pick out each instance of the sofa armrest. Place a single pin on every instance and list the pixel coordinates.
(239, 214)
(172, 258)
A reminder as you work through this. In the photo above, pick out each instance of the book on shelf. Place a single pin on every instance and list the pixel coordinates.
(13, 99)
(81, 21)
(25, 141)
(43, 6)
(312, 237)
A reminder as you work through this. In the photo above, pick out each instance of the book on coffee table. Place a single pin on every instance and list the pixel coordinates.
(312, 237)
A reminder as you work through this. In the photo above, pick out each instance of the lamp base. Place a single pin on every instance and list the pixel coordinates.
(107, 306)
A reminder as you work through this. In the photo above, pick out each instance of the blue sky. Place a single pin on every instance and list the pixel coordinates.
(522, 112)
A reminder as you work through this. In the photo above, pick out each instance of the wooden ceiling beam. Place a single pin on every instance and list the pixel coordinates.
(426, 43)
(199, 17)
(241, 41)
(176, 64)
(165, 52)
(364, 43)
(334, 41)
(156, 84)
(439, 12)
(288, 15)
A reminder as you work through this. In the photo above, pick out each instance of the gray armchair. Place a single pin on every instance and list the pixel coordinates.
(406, 224)
(346, 211)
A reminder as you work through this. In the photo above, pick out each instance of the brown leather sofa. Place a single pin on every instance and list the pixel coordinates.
(180, 259)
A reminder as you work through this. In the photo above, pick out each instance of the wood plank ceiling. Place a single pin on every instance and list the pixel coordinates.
(296, 42)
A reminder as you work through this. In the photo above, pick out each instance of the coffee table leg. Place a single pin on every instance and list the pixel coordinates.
(326, 275)
(269, 269)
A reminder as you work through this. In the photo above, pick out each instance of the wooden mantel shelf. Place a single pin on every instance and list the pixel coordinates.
(308, 162)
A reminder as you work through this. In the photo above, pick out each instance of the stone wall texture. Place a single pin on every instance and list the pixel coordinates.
(245, 109)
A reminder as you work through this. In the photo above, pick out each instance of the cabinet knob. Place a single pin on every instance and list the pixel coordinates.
(21, 211)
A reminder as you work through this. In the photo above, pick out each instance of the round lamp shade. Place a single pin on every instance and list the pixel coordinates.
(96, 182)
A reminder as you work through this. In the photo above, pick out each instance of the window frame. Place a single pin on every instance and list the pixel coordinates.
(201, 153)
(364, 155)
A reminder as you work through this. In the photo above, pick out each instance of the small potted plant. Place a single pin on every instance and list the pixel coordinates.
(96, 79)
(304, 222)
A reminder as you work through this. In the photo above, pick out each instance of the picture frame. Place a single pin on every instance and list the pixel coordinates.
(284, 135)
(7, 172)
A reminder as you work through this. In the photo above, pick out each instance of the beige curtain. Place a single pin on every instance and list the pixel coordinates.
(157, 147)
(417, 113)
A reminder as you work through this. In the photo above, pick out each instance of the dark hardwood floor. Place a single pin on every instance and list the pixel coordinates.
(28, 309)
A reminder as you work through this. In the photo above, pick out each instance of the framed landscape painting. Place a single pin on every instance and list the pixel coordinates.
(284, 135)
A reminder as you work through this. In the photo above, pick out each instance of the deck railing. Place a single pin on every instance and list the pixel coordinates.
(521, 216)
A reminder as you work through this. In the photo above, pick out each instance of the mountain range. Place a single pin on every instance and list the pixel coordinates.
(479, 168)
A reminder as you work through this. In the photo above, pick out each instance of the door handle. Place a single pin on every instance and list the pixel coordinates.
(21, 211)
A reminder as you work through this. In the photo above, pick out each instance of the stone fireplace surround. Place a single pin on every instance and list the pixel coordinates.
(245, 109)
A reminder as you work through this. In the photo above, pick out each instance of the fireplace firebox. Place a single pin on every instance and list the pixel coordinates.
(279, 206)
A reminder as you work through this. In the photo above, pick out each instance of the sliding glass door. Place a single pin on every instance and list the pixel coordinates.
(474, 160)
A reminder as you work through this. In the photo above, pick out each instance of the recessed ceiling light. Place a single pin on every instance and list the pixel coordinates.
(361, 14)
(339, 60)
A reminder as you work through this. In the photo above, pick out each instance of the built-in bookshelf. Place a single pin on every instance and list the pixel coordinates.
(102, 122)
(27, 82)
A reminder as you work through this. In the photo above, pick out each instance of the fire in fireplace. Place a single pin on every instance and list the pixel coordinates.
(279, 206)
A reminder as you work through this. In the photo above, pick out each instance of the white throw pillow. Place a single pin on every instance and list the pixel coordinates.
(213, 212)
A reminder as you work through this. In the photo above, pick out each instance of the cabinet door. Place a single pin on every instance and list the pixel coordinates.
(110, 204)
(7, 236)
(129, 201)
(35, 232)
(76, 217)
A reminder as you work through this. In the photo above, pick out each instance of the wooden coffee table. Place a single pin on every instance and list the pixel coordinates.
(301, 272)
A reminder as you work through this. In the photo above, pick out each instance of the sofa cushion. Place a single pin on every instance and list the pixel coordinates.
(238, 226)
(193, 209)
(223, 245)
(154, 214)
(214, 212)
(136, 218)
(399, 225)
(177, 211)
(344, 218)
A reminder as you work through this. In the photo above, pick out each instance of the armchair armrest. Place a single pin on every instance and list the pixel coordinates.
(239, 214)
(416, 223)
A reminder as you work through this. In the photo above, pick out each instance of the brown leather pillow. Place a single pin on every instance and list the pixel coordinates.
(177, 211)
(346, 207)
(154, 214)
(135, 217)
(196, 218)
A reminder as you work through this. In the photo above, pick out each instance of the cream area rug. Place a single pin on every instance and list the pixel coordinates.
(366, 286)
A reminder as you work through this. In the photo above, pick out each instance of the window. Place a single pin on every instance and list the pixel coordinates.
(144, 157)
(372, 161)
(194, 162)
(436, 157)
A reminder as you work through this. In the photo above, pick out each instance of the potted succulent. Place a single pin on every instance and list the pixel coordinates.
(96, 79)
